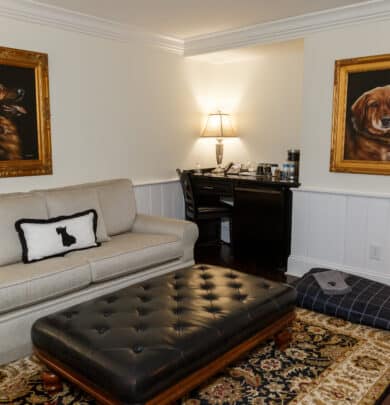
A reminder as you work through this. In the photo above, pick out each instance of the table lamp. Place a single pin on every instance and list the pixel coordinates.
(219, 126)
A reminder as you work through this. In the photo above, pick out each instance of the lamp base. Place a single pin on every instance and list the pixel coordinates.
(219, 156)
(219, 170)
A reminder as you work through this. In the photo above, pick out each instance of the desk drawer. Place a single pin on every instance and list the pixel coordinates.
(209, 187)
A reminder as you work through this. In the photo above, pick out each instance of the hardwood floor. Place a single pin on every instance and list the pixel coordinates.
(222, 255)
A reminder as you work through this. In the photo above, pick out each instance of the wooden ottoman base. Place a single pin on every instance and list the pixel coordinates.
(279, 330)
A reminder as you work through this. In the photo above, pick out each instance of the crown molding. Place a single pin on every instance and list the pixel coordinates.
(288, 28)
(35, 12)
(164, 42)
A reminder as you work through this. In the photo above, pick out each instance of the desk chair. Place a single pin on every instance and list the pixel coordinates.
(207, 217)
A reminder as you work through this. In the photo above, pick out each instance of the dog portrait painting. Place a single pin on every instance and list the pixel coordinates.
(361, 116)
(25, 146)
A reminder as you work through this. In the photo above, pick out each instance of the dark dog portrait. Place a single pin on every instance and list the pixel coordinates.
(368, 117)
(18, 122)
(10, 144)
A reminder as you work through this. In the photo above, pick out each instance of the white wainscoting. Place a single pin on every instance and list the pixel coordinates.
(345, 231)
(163, 198)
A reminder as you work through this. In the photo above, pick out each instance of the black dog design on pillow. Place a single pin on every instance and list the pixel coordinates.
(67, 240)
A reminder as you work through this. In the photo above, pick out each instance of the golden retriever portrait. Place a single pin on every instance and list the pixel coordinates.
(369, 136)
(10, 109)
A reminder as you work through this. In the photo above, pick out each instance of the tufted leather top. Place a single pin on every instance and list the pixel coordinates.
(140, 340)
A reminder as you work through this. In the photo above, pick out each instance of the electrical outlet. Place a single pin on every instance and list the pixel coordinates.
(375, 252)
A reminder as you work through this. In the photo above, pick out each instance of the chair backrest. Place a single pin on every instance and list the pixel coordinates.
(189, 200)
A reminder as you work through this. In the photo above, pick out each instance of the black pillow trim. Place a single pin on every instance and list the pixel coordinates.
(18, 227)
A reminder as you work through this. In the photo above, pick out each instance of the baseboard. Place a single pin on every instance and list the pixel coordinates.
(299, 265)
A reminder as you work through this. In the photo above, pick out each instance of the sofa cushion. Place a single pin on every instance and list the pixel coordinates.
(25, 284)
(68, 202)
(117, 200)
(130, 252)
(12, 208)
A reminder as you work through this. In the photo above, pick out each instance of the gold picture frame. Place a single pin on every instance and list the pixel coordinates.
(361, 116)
(25, 140)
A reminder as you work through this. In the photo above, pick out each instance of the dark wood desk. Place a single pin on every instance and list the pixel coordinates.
(262, 209)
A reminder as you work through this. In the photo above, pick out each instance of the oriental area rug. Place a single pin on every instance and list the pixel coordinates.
(330, 361)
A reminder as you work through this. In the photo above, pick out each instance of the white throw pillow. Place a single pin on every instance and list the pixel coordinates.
(53, 237)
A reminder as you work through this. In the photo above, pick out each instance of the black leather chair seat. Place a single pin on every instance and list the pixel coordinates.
(140, 340)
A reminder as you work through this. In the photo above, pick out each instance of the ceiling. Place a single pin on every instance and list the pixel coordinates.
(187, 18)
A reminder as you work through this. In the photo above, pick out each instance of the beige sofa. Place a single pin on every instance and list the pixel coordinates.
(134, 247)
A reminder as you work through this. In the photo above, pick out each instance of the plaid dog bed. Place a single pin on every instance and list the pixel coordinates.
(368, 303)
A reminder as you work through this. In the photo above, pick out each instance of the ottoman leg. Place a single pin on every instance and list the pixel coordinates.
(283, 338)
(51, 382)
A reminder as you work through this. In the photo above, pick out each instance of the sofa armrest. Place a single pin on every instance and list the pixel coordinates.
(186, 231)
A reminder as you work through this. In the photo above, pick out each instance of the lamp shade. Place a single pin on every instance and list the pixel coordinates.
(219, 125)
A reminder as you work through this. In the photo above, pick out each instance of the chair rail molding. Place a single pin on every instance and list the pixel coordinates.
(348, 231)
(288, 28)
(357, 193)
(38, 13)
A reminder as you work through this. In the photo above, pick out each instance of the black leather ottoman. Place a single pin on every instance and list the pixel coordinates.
(152, 341)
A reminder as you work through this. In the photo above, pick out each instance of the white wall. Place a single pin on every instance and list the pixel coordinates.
(321, 51)
(264, 95)
(118, 109)
(338, 218)
(130, 110)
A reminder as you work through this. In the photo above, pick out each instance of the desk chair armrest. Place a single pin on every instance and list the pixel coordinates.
(186, 231)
